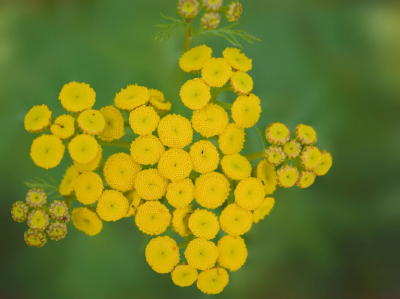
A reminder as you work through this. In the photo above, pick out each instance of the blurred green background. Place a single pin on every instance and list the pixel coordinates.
(329, 64)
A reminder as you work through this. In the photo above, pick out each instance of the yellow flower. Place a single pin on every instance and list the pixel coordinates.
(246, 111)
(161, 107)
(287, 176)
(68, 181)
(92, 165)
(277, 133)
(152, 218)
(147, 150)
(175, 131)
(156, 95)
(274, 155)
(264, 209)
(194, 59)
(112, 205)
(241, 83)
(195, 94)
(232, 252)
(88, 188)
(57, 230)
(76, 97)
(310, 157)
(266, 173)
(150, 184)
(325, 165)
(35, 238)
(212, 5)
(231, 141)
(134, 202)
(47, 151)
(175, 164)
(216, 72)
(38, 220)
(91, 122)
(83, 148)
(233, 11)
(211, 190)
(210, 20)
(180, 193)
(204, 155)
(63, 127)
(305, 134)
(37, 119)
(292, 149)
(201, 254)
(86, 221)
(184, 275)
(180, 219)
(162, 254)
(120, 172)
(143, 120)
(213, 281)
(131, 97)
(58, 210)
(19, 211)
(235, 221)
(249, 193)
(36, 198)
(210, 120)
(236, 167)
(114, 126)
(188, 8)
(306, 179)
(237, 59)
(204, 224)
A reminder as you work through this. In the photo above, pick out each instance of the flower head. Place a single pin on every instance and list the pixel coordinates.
(147, 150)
(325, 164)
(204, 224)
(134, 202)
(184, 275)
(246, 111)
(57, 230)
(211, 190)
(264, 209)
(241, 83)
(63, 127)
(306, 179)
(180, 193)
(88, 188)
(175, 131)
(131, 97)
(212, 5)
(232, 252)
(287, 176)
(175, 164)
(83, 148)
(277, 133)
(112, 206)
(234, 11)
(306, 135)
(237, 59)
(114, 124)
(236, 166)
(157, 101)
(19, 211)
(292, 149)
(231, 141)
(249, 193)
(204, 155)
(37, 119)
(180, 220)
(210, 120)
(36, 198)
(274, 155)
(188, 8)
(213, 281)
(143, 120)
(58, 210)
(310, 157)
(38, 219)
(216, 72)
(86, 221)
(91, 122)
(150, 184)
(195, 94)
(47, 151)
(201, 254)
(266, 173)
(162, 254)
(194, 59)
(152, 218)
(210, 20)
(235, 221)
(76, 97)
(35, 238)
(92, 165)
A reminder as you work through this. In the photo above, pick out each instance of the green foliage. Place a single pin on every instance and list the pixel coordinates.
(167, 29)
(51, 186)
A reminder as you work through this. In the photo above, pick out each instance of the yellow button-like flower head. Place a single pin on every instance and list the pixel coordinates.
(143, 120)
(210, 20)
(88, 188)
(287, 176)
(175, 131)
(83, 148)
(63, 127)
(325, 164)
(232, 252)
(92, 165)
(76, 97)
(91, 122)
(19, 211)
(47, 151)
(231, 141)
(277, 133)
(249, 193)
(35, 238)
(292, 149)
(152, 218)
(114, 124)
(150, 184)
(36, 198)
(38, 219)
(37, 119)
(213, 281)
(246, 111)
(188, 8)
(180, 220)
(147, 150)
(264, 209)
(237, 59)
(305, 134)
(201, 254)
(204, 224)
(216, 72)
(204, 155)
(184, 275)
(212, 5)
(274, 155)
(236, 167)
(58, 210)
(266, 173)
(134, 202)
(162, 254)
(235, 221)
(195, 94)
(175, 164)
(112, 206)
(306, 179)
(310, 157)
(131, 97)
(194, 59)
(180, 193)
(57, 230)
(86, 221)
(211, 190)
(241, 83)
(234, 11)
(210, 120)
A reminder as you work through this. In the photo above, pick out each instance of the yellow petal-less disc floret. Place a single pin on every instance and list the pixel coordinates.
(83, 148)
(277, 133)
(235, 221)
(120, 172)
(86, 221)
(19, 211)
(150, 184)
(236, 166)
(184, 275)
(180, 220)
(266, 173)
(210, 120)
(175, 131)
(57, 230)
(310, 157)
(175, 164)
(201, 254)
(211, 190)
(47, 151)
(58, 210)
(249, 193)
(231, 141)
(292, 149)
(216, 72)
(194, 59)
(91, 122)
(287, 176)
(88, 188)
(180, 193)
(63, 127)
(134, 202)
(147, 150)
(143, 120)
(213, 281)
(246, 111)
(38, 219)
(274, 155)
(114, 124)
(157, 101)
(131, 97)
(306, 179)
(305, 134)
(233, 11)
(264, 209)
(152, 218)
(204, 224)
(35, 238)
(37, 119)
(76, 97)
(237, 59)
(112, 205)
(188, 8)
(36, 198)
(162, 254)
(232, 252)
(325, 164)
(241, 83)
(204, 155)
(92, 165)
(212, 5)
(195, 94)
(68, 181)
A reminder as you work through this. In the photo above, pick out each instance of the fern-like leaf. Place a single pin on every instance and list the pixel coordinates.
(51, 188)
(168, 29)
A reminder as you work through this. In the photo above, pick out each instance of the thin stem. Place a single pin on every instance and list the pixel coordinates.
(116, 143)
(261, 134)
(226, 106)
(188, 38)
(255, 156)
(216, 92)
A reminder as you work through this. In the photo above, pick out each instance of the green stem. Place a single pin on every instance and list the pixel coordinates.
(216, 92)
(116, 143)
(261, 134)
(188, 37)
(226, 106)
(255, 156)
